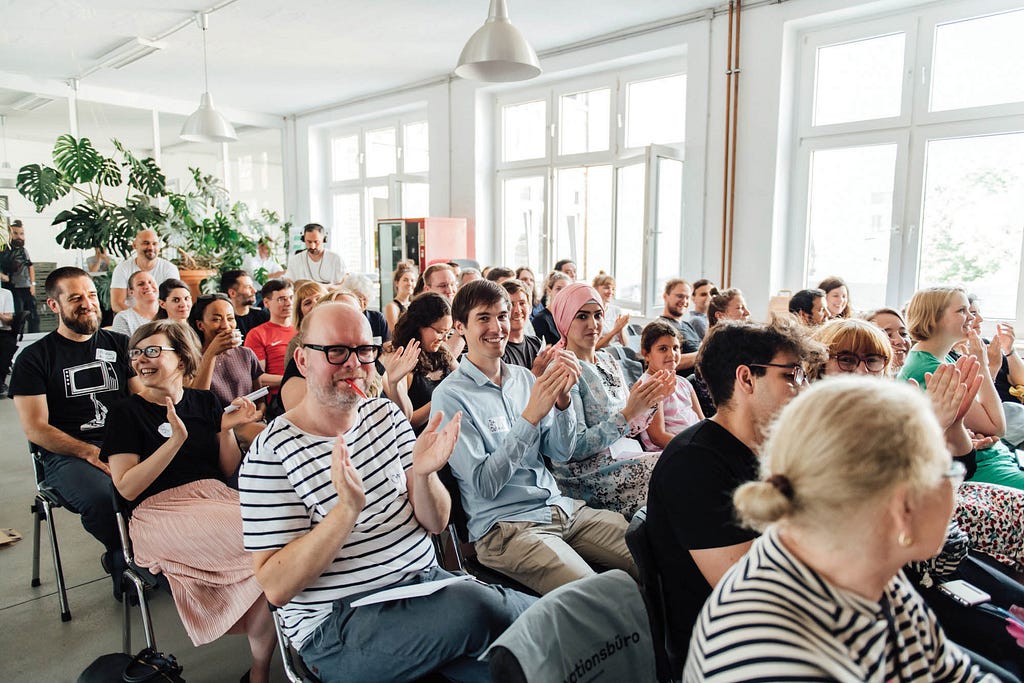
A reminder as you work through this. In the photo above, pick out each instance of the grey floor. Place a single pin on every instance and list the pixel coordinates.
(34, 644)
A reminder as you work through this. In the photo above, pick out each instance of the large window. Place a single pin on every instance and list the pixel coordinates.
(377, 170)
(592, 171)
(910, 156)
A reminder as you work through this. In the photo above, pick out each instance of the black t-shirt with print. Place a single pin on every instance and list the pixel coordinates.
(81, 380)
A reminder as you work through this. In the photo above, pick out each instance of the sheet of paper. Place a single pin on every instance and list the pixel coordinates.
(627, 449)
(416, 590)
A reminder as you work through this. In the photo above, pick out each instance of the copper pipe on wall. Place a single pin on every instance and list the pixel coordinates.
(735, 126)
(723, 279)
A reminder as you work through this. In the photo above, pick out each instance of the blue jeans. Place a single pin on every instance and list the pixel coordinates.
(407, 639)
(87, 491)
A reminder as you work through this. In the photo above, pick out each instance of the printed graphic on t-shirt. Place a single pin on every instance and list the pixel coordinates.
(90, 379)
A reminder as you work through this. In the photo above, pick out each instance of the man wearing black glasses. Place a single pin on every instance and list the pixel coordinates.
(61, 386)
(752, 371)
(338, 501)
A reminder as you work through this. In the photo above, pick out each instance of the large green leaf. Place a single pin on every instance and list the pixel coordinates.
(109, 173)
(143, 174)
(41, 185)
(84, 226)
(78, 160)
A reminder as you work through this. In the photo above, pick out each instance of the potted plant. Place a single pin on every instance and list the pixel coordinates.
(207, 231)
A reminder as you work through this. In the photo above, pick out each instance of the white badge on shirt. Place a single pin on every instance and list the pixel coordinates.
(397, 476)
(498, 424)
(106, 355)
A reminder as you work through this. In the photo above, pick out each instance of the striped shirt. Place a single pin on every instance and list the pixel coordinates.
(772, 618)
(285, 489)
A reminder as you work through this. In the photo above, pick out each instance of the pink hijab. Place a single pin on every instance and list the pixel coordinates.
(567, 304)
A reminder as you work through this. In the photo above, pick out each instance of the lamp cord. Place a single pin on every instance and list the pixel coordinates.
(206, 74)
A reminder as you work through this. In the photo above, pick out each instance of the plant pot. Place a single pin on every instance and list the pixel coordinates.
(194, 278)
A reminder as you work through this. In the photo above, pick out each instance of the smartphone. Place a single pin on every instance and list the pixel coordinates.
(964, 593)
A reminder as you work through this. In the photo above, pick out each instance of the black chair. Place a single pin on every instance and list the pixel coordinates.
(142, 580)
(43, 505)
(668, 660)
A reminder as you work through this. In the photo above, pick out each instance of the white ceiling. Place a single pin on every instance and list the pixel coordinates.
(267, 58)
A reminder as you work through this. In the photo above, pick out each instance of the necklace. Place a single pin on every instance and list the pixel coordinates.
(319, 268)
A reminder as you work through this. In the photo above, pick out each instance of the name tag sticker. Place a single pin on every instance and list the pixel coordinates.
(106, 355)
(397, 476)
(498, 424)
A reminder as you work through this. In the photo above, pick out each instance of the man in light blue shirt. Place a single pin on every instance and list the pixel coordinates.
(519, 521)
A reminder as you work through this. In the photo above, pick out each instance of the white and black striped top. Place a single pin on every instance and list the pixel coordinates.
(285, 488)
(772, 618)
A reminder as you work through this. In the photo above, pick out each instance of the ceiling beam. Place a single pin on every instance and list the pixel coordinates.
(122, 98)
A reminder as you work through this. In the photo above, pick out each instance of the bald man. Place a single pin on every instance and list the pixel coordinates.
(147, 258)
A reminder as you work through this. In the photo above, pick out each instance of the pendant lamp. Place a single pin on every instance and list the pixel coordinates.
(498, 52)
(207, 124)
(7, 175)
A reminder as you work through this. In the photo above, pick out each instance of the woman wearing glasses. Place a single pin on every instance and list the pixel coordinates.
(426, 323)
(169, 457)
(987, 518)
(844, 505)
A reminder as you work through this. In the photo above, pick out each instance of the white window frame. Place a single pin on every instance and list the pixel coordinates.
(616, 155)
(911, 131)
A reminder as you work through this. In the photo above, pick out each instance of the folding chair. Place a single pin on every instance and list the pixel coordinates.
(43, 505)
(140, 578)
(668, 660)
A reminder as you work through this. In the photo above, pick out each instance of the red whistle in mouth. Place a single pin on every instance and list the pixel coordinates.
(355, 388)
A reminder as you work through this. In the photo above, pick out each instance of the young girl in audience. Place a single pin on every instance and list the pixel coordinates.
(170, 454)
(175, 300)
(307, 294)
(659, 346)
(615, 321)
(608, 412)
(837, 297)
(938, 318)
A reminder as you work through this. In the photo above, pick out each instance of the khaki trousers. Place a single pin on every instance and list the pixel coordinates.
(546, 556)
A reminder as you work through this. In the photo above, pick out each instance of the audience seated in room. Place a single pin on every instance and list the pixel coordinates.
(269, 341)
(543, 323)
(676, 298)
(169, 456)
(609, 414)
(143, 292)
(404, 282)
(338, 501)
(659, 346)
(521, 348)
(238, 285)
(808, 305)
(519, 521)
(614, 322)
(849, 502)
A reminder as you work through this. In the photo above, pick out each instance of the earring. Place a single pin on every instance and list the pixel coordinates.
(904, 540)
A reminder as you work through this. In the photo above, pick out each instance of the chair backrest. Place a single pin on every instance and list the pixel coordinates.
(458, 515)
(667, 659)
(294, 668)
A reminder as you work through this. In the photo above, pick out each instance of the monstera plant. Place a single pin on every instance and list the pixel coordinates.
(121, 195)
(109, 210)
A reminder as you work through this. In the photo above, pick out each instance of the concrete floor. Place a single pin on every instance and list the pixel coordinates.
(34, 644)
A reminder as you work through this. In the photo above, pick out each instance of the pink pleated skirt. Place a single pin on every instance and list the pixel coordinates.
(193, 535)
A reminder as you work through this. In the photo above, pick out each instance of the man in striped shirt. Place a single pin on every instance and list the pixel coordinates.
(338, 500)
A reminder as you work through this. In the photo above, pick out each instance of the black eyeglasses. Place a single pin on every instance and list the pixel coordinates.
(799, 376)
(848, 362)
(337, 354)
(150, 351)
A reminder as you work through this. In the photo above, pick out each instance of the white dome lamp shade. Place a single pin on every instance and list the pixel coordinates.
(207, 124)
(498, 52)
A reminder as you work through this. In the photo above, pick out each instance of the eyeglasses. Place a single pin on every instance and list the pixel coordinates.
(957, 472)
(445, 333)
(848, 362)
(150, 351)
(338, 354)
(798, 376)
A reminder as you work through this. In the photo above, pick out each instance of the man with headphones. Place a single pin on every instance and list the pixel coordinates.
(316, 263)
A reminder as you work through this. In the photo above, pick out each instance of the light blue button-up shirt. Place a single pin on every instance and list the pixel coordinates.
(498, 459)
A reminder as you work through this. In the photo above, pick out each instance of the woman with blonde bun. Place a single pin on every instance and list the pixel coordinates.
(844, 505)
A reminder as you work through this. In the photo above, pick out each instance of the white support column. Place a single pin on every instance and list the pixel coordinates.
(225, 160)
(73, 108)
(156, 136)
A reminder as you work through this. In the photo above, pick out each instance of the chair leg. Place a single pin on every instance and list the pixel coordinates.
(147, 620)
(37, 517)
(62, 593)
(126, 634)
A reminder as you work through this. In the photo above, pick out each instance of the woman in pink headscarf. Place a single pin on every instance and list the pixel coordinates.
(608, 468)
